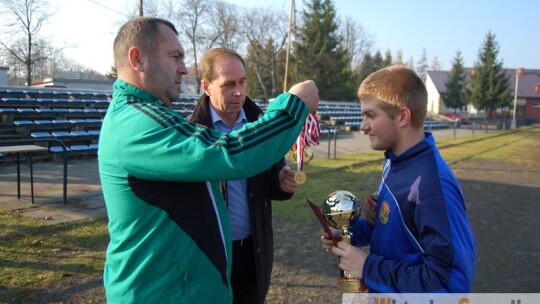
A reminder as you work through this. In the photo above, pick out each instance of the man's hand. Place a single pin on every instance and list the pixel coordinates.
(286, 180)
(308, 92)
(351, 258)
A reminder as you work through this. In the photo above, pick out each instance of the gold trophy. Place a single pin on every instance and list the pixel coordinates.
(342, 210)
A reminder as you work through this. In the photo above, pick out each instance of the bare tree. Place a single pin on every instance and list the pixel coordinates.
(266, 31)
(165, 9)
(224, 25)
(355, 40)
(23, 20)
(191, 18)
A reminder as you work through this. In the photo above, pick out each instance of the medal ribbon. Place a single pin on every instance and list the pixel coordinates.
(300, 152)
(309, 136)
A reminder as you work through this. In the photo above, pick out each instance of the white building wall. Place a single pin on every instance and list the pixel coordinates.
(434, 98)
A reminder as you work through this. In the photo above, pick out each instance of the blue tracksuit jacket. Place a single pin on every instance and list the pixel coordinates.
(422, 241)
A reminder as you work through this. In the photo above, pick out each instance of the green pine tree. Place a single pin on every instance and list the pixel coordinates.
(422, 65)
(320, 54)
(112, 74)
(455, 86)
(366, 67)
(263, 70)
(378, 61)
(388, 58)
(489, 83)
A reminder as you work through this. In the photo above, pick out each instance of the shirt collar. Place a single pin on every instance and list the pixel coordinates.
(216, 118)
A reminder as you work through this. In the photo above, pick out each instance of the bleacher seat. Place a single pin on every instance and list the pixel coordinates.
(24, 101)
(62, 134)
(58, 149)
(45, 94)
(43, 123)
(90, 110)
(7, 111)
(44, 110)
(60, 95)
(77, 121)
(80, 148)
(9, 101)
(61, 123)
(40, 135)
(26, 111)
(13, 92)
(60, 110)
(93, 121)
(60, 102)
(44, 100)
(23, 123)
(80, 133)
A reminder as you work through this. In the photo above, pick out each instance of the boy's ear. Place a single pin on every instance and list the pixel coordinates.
(405, 116)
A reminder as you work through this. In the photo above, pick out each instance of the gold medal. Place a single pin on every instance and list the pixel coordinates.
(308, 154)
(291, 155)
(300, 177)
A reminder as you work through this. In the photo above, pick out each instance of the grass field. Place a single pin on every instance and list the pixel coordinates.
(34, 257)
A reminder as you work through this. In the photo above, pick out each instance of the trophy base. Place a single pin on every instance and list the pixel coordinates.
(351, 285)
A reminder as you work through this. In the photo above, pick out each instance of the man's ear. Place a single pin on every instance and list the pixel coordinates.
(405, 116)
(204, 86)
(135, 60)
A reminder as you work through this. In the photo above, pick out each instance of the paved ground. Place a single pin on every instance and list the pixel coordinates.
(84, 198)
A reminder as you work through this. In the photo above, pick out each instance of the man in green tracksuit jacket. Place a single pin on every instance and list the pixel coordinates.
(170, 240)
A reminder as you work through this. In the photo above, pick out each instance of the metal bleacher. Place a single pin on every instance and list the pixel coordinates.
(72, 116)
(344, 116)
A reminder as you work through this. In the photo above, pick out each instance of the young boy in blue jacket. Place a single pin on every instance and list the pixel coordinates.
(420, 239)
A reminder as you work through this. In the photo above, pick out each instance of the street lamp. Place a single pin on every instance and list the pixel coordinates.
(519, 71)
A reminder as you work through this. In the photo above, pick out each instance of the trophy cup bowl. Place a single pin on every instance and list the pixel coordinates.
(342, 209)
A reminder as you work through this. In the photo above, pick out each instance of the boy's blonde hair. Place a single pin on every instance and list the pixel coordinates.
(396, 87)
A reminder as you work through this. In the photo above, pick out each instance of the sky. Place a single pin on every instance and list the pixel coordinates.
(87, 27)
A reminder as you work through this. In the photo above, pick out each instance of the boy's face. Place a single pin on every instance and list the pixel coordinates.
(382, 130)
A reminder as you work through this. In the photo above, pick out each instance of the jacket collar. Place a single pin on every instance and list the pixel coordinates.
(201, 113)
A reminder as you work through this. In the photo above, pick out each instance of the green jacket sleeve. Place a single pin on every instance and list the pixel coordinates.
(152, 142)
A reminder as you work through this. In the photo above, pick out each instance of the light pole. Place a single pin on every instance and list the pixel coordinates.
(519, 71)
(291, 16)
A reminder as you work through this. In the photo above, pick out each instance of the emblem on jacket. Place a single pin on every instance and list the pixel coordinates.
(384, 214)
